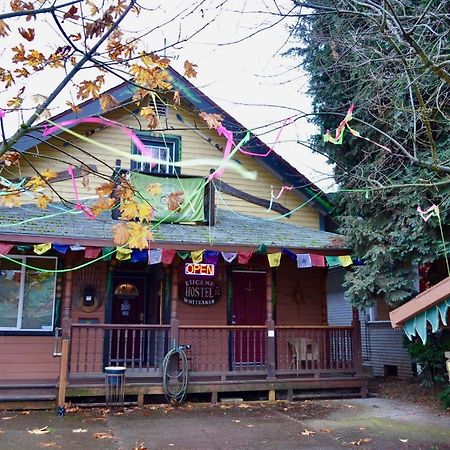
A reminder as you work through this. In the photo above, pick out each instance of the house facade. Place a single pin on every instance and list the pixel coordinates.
(225, 281)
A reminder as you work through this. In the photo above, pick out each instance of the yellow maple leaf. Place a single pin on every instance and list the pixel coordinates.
(145, 212)
(128, 210)
(140, 234)
(10, 200)
(102, 204)
(125, 190)
(108, 102)
(105, 188)
(148, 113)
(121, 234)
(73, 107)
(4, 28)
(35, 183)
(15, 102)
(213, 120)
(154, 189)
(189, 69)
(152, 59)
(88, 89)
(42, 201)
(48, 174)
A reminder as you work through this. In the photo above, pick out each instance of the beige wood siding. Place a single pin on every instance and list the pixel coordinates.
(195, 144)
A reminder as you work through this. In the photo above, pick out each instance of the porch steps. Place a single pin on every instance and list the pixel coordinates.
(27, 396)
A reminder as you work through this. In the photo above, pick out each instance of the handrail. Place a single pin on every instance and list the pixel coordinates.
(313, 327)
(224, 327)
(119, 326)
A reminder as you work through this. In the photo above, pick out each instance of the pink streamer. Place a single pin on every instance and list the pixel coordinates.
(286, 122)
(284, 188)
(139, 144)
(221, 130)
(430, 212)
(78, 206)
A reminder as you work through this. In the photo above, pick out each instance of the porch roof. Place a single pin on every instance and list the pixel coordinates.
(29, 224)
(423, 302)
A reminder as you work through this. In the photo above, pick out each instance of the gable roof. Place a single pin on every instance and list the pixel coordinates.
(273, 162)
(231, 231)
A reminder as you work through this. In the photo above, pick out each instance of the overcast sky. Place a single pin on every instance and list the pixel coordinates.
(249, 79)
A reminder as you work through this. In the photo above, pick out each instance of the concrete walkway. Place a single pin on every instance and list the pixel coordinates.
(325, 424)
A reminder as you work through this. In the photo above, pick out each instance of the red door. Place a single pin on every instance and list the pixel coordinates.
(249, 308)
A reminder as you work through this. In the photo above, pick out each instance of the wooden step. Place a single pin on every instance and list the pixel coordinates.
(20, 398)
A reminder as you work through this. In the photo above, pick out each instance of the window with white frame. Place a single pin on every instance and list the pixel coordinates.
(27, 293)
(163, 149)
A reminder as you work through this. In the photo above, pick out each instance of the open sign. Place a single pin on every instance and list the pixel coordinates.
(199, 269)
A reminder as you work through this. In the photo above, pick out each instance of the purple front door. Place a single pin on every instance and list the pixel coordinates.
(249, 309)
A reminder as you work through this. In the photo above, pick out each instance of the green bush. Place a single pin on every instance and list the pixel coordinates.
(445, 398)
(431, 356)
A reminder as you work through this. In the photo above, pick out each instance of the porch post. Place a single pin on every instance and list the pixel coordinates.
(66, 306)
(270, 328)
(174, 322)
(357, 354)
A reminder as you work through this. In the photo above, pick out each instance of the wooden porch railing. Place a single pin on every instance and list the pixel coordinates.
(315, 349)
(95, 346)
(227, 348)
(214, 350)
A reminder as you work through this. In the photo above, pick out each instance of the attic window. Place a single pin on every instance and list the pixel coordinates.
(165, 149)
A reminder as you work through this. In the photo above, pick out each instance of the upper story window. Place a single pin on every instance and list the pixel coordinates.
(165, 149)
(27, 294)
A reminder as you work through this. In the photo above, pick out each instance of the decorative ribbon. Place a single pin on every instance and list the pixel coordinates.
(78, 206)
(244, 257)
(211, 257)
(5, 248)
(229, 256)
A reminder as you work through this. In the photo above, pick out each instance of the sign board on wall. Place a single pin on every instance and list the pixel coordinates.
(200, 291)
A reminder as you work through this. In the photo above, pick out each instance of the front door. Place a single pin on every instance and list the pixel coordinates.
(249, 308)
(128, 308)
(136, 300)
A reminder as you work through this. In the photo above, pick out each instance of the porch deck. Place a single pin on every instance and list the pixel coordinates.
(222, 359)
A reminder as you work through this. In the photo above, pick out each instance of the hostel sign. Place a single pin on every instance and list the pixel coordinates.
(200, 292)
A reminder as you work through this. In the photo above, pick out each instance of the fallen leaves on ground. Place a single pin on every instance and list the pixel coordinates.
(49, 445)
(361, 441)
(43, 430)
(26, 413)
(79, 430)
(7, 418)
(141, 447)
(236, 421)
(308, 433)
(403, 440)
(103, 435)
(326, 430)
(71, 408)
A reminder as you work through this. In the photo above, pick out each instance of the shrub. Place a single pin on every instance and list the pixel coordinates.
(431, 356)
(445, 398)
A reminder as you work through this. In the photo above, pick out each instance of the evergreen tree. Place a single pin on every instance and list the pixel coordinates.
(391, 59)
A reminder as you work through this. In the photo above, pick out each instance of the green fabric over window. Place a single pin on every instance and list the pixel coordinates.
(173, 199)
(418, 324)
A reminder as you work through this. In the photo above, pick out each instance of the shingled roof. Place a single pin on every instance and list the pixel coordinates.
(29, 224)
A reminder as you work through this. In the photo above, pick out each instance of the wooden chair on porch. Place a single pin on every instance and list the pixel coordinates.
(302, 350)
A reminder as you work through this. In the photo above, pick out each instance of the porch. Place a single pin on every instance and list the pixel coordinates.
(278, 360)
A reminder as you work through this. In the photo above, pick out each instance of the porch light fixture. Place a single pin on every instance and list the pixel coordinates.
(126, 289)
